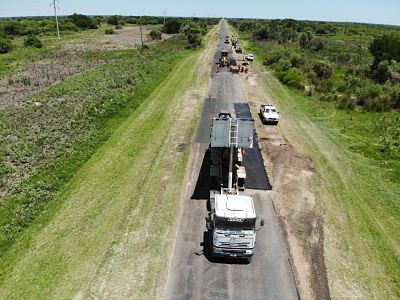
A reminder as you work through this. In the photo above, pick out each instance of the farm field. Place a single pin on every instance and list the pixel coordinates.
(355, 152)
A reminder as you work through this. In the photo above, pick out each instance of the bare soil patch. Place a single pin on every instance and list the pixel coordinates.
(52, 69)
(59, 64)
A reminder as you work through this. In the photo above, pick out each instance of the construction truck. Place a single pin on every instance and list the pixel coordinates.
(238, 49)
(233, 67)
(232, 219)
(234, 40)
(224, 61)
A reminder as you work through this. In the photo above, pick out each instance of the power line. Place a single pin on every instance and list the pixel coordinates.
(55, 6)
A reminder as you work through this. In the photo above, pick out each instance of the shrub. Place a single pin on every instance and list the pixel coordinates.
(346, 103)
(296, 59)
(33, 41)
(119, 26)
(155, 35)
(293, 78)
(5, 46)
(69, 26)
(319, 44)
(283, 64)
(194, 40)
(109, 31)
(322, 69)
(274, 57)
(386, 70)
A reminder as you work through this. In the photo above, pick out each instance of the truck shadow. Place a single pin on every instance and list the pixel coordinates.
(202, 189)
(218, 260)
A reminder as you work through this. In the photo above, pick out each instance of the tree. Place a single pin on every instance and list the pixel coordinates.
(385, 47)
(172, 26)
(194, 40)
(33, 41)
(287, 34)
(113, 20)
(82, 21)
(97, 20)
(261, 33)
(12, 28)
(305, 39)
(5, 46)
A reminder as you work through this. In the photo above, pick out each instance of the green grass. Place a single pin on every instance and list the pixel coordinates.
(360, 190)
(85, 110)
(108, 231)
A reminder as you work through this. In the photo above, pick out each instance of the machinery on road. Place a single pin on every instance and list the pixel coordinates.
(232, 219)
(238, 49)
(234, 40)
(224, 61)
(233, 67)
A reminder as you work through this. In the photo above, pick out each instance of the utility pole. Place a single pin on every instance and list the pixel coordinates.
(164, 16)
(55, 6)
(141, 33)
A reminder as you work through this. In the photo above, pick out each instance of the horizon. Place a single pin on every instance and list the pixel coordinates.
(205, 17)
(385, 12)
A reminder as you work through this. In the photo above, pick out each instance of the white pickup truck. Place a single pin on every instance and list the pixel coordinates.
(269, 114)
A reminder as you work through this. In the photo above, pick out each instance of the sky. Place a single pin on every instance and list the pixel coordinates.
(365, 11)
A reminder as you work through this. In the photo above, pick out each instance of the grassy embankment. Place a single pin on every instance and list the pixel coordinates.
(360, 193)
(108, 231)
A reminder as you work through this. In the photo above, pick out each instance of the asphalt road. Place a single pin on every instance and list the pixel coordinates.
(193, 274)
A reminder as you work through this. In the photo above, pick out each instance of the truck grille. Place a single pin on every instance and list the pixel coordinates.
(235, 244)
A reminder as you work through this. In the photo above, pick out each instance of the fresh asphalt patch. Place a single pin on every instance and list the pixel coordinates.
(204, 129)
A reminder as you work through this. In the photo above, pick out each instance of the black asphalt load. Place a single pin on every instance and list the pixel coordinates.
(193, 273)
(256, 176)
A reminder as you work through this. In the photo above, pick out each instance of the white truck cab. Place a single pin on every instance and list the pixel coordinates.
(232, 225)
(269, 114)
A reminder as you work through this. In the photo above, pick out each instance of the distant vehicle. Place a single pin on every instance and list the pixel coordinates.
(233, 67)
(249, 57)
(227, 41)
(269, 114)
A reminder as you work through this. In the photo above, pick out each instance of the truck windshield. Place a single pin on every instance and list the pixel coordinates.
(244, 224)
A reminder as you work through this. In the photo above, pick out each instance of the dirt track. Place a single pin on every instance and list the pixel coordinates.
(293, 179)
